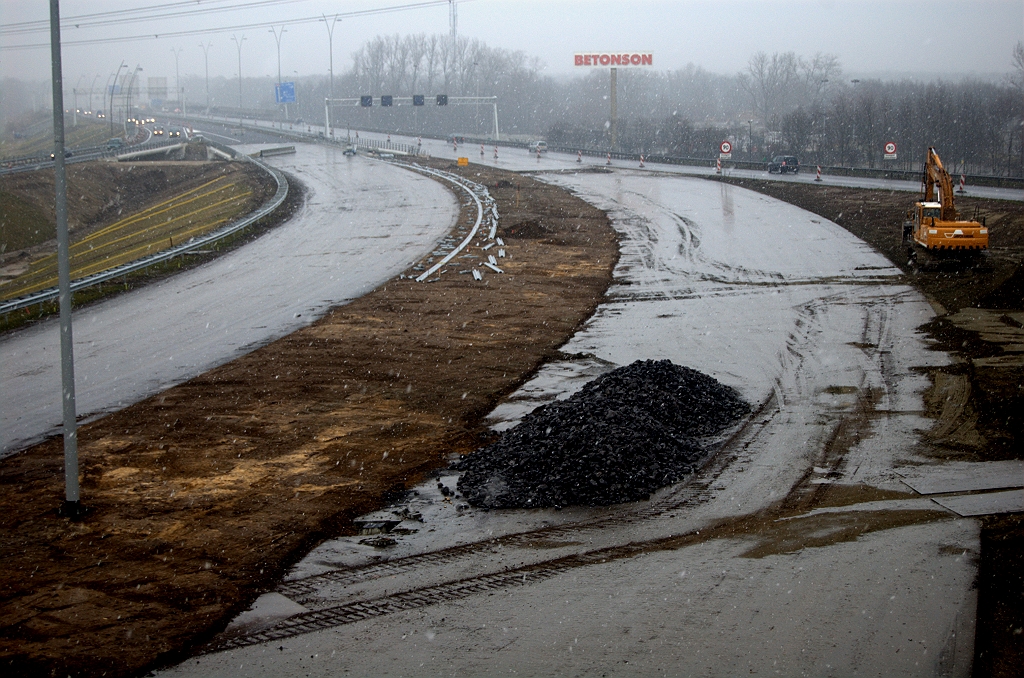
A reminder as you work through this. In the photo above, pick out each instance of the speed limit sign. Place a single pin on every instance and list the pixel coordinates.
(725, 148)
(890, 150)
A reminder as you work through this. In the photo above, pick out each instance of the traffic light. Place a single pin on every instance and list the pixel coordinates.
(386, 100)
(366, 101)
(417, 99)
(442, 99)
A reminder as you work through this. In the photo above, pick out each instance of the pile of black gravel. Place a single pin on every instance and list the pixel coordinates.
(622, 436)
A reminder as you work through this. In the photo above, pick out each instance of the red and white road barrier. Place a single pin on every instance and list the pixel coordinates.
(538, 154)
(495, 152)
(389, 138)
(455, 146)
(609, 160)
(579, 156)
(481, 150)
(419, 141)
(818, 176)
(718, 166)
(641, 160)
(963, 180)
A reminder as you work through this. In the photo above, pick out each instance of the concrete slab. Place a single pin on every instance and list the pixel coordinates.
(990, 503)
(963, 476)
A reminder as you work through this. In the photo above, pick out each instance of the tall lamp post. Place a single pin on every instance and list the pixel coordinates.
(750, 139)
(128, 101)
(277, 39)
(91, 87)
(74, 92)
(238, 44)
(177, 79)
(206, 60)
(330, 37)
(110, 109)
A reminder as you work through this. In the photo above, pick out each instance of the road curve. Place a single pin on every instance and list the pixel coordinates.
(362, 222)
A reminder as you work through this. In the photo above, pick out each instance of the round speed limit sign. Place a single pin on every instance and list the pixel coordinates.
(890, 147)
(726, 147)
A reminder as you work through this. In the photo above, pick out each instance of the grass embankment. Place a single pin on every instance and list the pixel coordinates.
(89, 132)
(159, 227)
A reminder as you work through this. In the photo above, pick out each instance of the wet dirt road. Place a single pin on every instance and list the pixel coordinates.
(796, 550)
(362, 223)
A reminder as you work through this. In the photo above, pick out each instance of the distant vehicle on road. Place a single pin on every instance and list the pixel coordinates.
(116, 142)
(174, 132)
(456, 139)
(158, 131)
(538, 147)
(784, 164)
(351, 150)
(67, 154)
(100, 114)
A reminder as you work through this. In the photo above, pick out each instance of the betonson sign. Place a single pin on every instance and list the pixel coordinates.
(614, 59)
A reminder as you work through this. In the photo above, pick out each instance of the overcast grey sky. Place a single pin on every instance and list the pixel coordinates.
(940, 37)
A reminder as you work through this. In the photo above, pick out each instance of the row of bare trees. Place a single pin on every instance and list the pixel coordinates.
(780, 103)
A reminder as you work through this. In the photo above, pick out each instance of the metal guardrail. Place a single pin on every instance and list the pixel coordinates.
(269, 206)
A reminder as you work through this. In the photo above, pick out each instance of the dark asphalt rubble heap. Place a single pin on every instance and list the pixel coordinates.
(622, 436)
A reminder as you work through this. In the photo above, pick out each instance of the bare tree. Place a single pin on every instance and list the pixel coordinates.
(768, 80)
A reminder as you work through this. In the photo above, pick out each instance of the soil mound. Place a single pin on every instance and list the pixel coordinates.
(622, 436)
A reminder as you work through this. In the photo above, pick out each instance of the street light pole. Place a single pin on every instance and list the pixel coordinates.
(750, 139)
(206, 60)
(277, 39)
(71, 506)
(177, 80)
(110, 109)
(74, 93)
(238, 44)
(91, 87)
(330, 37)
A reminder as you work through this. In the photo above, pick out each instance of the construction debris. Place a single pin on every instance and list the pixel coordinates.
(621, 437)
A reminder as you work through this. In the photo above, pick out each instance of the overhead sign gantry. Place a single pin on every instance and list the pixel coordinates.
(388, 100)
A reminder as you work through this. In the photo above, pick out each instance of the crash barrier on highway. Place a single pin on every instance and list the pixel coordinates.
(144, 152)
(266, 208)
(280, 150)
(29, 163)
(378, 145)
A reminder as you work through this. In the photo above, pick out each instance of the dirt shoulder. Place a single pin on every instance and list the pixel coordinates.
(980, 311)
(203, 495)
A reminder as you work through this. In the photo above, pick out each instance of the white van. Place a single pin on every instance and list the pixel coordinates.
(538, 147)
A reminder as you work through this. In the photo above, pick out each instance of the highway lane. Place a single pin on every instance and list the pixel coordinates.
(362, 222)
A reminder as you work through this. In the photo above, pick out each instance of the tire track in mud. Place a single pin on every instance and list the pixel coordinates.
(851, 425)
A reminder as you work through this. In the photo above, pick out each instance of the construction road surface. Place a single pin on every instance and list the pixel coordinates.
(797, 550)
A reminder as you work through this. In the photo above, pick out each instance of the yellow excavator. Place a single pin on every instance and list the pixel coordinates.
(934, 226)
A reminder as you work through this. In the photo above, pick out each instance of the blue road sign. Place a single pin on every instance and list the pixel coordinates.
(284, 92)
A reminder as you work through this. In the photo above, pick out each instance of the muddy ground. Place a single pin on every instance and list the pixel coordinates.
(203, 495)
(992, 426)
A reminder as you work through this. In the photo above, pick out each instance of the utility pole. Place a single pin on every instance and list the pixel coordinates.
(177, 80)
(206, 61)
(277, 39)
(238, 44)
(328, 130)
(614, 99)
(110, 109)
(71, 505)
(453, 20)
(91, 87)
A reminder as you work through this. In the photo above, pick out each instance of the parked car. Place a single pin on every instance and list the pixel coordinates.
(538, 147)
(783, 164)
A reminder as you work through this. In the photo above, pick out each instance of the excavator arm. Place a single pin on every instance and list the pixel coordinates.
(936, 176)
